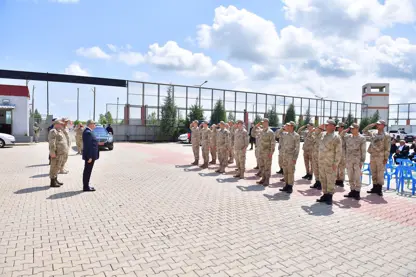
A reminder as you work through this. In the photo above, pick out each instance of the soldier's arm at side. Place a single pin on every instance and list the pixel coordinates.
(387, 145)
(246, 140)
(52, 142)
(297, 145)
(363, 149)
(337, 150)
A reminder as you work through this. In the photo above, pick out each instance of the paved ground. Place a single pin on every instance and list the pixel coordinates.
(153, 215)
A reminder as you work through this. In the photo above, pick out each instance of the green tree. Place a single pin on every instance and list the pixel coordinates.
(290, 114)
(336, 120)
(257, 119)
(375, 117)
(102, 120)
(307, 119)
(218, 114)
(168, 115)
(76, 122)
(231, 117)
(109, 118)
(301, 122)
(195, 113)
(364, 123)
(349, 121)
(152, 119)
(273, 118)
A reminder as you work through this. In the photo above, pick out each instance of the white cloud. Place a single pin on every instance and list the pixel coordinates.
(112, 47)
(76, 69)
(93, 53)
(141, 76)
(130, 58)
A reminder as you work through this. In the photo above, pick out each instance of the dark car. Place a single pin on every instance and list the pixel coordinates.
(105, 139)
(409, 138)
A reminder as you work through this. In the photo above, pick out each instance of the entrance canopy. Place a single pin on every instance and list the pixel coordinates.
(7, 107)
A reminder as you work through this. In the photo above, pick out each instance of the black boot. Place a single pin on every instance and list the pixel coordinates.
(380, 190)
(54, 184)
(289, 189)
(374, 189)
(339, 183)
(309, 177)
(314, 186)
(285, 188)
(280, 171)
(351, 194)
(357, 195)
(322, 199)
(306, 176)
(328, 200)
(59, 183)
(319, 186)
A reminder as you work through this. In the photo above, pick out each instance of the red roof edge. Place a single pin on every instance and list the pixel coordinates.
(12, 90)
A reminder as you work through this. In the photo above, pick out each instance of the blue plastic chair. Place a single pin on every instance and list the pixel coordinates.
(391, 170)
(366, 169)
(404, 162)
(407, 173)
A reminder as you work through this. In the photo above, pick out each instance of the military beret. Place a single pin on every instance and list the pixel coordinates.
(354, 125)
(330, 121)
(381, 122)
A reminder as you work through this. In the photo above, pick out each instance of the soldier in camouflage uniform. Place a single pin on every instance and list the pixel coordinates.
(267, 147)
(291, 153)
(316, 134)
(355, 157)
(232, 129)
(66, 133)
(240, 148)
(280, 136)
(379, 150)
(342, 164)
(258, 130)
(213, 144)
(78, 138)
(307, 150)
(58, 148)
(195, 140)
(223, 147)
(330, 147)
(205, 134)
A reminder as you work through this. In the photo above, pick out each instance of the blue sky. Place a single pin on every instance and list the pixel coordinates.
(284, 47)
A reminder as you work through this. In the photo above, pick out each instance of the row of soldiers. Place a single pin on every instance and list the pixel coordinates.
(326, 154)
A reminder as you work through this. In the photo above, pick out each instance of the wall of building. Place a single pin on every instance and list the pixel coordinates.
(20, 117)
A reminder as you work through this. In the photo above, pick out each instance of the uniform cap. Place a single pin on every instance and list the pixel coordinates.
(354, 125)
(222, 122)
(291, 123)
(230, 121)
(90, 121)
(206, 122)
(240, 121)
(58, 122)
(330, 121)
(64, 119)
(341, 124)
(265, 120)
(381, 122)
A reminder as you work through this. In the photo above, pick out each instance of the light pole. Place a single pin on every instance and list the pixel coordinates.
(77, 103)
(117, 112)
(322, 106)
(200, 86)
(93, 115)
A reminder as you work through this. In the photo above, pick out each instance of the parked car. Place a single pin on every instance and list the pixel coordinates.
(105, 139)
(185, 138)
(6, 140)
(397, 134)
(410, 137)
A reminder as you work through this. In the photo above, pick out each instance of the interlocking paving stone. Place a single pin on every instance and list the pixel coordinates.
(155, 215)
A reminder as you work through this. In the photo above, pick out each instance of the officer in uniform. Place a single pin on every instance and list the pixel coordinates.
(78, 138)
(240, 148)
(205, 134)
(267, 147)
(195, 140)
(232, 129)
(356, 147)
(379, 150)
(223, 147)
(342, 164)
(291, 153)
(280, 136)
(68, 140)
(307, 150)
(316, 134)
(258, 130)
(213, 144)
(330, 147)
(58, 148)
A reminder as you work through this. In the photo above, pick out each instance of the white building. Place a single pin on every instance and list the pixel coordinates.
(14, 111)
(375, 97)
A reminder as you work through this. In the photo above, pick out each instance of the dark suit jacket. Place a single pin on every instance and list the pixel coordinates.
(90, 150)
(404, 153)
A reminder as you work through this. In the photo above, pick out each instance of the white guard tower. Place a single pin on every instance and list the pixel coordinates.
(375, 97)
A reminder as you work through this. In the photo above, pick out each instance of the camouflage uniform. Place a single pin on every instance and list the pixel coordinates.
(58, 146)
(78, 139)
(213, 145)
(195, 140)
(342, 165)
(330, 147)
(65, 159)
(240, 147)
(308, 144)
(379, 150)
(291, 153)
(258, 132)
(223, 147)
(205, 134)
(315, 158)
(355, 156)
(267, 147)
(232, 130)
(280, 134)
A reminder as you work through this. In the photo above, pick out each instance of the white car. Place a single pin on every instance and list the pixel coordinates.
(6, 139)
(184, 138)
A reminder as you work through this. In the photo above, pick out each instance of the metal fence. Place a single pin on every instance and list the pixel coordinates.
(402, 114)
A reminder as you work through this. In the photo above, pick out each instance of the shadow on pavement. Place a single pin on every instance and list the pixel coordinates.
(211, 174)
(227, 180)
(318, 209)
(192, 170)
(40, 175)
(74, 148)
(374, 199)
(30, 190)
(254, 177)
(64, 194)
(339, 189)
(252, 170)
(251, 188)
(187, 145)
(183, 166)
(303, 182)
(347, 203)
(36, 165)
(277, 185)
(278, 196)
(310, 192)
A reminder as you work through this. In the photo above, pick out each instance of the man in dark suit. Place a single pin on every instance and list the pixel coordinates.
(90, 153)
(402, 151)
